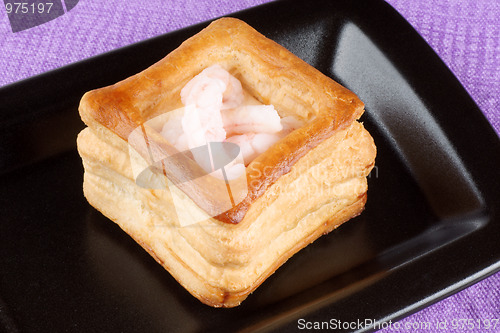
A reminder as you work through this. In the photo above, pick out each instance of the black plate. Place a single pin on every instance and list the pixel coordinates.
(430, 228)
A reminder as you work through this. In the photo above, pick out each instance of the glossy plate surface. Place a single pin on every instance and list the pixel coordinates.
(431, 224)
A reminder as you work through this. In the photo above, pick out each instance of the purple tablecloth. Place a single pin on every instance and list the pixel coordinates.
(465, 34)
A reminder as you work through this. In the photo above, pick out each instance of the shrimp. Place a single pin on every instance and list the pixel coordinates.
(233, 95)
(205, 96)
(290, 124)
(209, 92)
(253, 144)
(218, 110)
(172, 131)
(202, 126)
(251, 118)
(214, 86)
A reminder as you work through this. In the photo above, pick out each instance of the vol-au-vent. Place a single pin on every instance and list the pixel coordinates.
(225, 158)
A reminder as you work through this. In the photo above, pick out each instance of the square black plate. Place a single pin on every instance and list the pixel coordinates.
(431, 224)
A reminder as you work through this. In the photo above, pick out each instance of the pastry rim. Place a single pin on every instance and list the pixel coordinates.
(116, 107)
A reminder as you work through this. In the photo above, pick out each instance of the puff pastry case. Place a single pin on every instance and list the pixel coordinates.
(225, 158)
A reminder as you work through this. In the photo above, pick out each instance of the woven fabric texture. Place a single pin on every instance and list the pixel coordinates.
(465, 34)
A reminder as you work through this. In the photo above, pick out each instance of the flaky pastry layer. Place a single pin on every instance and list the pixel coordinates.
(221, 263)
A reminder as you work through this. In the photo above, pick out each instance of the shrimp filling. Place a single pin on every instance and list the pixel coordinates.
(217, 109)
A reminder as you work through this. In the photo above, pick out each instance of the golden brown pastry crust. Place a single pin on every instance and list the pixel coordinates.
(221, 263)
(268, 71)
(307, 184)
